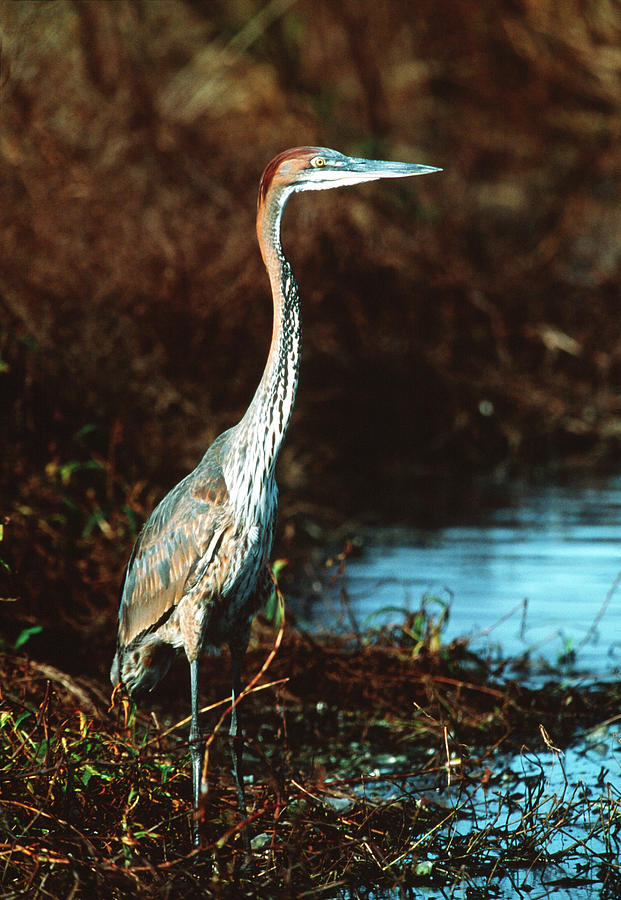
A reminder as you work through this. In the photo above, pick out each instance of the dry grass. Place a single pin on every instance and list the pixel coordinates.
(374, 787)
(133, 144)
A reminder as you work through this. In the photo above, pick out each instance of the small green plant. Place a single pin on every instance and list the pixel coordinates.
(420, 631)
(566, 655)
(424, 628)
(274, 608)
(24, 636)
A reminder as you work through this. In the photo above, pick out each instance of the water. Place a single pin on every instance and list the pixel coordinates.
(536, 574)
(529, 574)
(556, 796)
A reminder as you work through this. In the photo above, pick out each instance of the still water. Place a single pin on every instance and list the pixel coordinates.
(531, 573)
(533, 570)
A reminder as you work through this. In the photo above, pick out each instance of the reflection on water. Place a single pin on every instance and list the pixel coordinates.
(553, 805)
(558, 547)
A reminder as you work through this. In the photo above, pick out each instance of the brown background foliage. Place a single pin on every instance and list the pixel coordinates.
(462, 322)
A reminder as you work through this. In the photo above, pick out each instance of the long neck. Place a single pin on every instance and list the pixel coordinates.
(263, 427)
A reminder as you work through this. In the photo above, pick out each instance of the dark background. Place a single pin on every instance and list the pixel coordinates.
(455, 324)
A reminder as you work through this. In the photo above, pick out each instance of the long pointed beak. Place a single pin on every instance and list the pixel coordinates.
(379, 168)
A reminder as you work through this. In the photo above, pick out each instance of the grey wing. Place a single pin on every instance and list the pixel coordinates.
(175, 547)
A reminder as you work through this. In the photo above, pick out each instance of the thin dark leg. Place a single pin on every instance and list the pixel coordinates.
(196, 748)
(236, 740)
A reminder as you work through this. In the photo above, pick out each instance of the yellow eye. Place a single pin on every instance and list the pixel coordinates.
(318, 162)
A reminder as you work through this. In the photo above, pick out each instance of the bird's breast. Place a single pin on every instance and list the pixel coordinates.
(252, 546)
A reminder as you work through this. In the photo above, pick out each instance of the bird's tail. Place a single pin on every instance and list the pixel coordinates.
(141, 664)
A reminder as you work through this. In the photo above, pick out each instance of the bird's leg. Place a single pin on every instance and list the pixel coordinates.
(236, 738)
(196, 748)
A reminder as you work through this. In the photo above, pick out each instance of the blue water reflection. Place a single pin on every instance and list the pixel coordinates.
(557, 546)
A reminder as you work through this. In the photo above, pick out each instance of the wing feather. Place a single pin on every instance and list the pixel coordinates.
(180, 537)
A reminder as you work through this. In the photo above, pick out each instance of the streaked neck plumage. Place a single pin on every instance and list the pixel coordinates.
(260, 433)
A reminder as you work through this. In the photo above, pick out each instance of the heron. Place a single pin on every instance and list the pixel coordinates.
(198, 572)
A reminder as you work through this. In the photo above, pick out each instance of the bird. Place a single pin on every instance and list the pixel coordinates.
(198, 572)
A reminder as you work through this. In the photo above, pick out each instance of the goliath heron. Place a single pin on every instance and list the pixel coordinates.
(198, 571)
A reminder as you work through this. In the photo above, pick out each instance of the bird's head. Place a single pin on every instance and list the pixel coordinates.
(318, 168)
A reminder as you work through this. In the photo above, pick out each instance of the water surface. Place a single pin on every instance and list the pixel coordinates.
(536, 574)
(531, 573)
